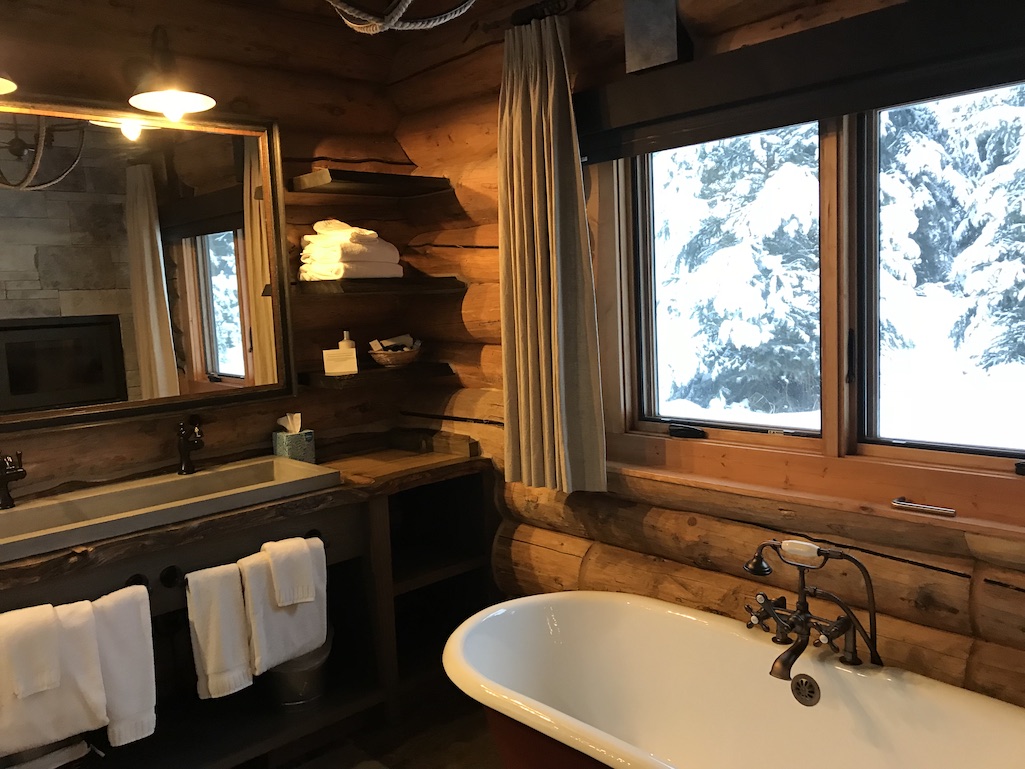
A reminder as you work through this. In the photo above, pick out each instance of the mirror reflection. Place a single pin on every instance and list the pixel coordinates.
(135, 264)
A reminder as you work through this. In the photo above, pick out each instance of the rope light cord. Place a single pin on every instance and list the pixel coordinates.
(367, 24)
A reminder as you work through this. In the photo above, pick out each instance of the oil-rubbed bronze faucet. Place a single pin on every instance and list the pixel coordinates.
(11, 470)
(190, 438)
(799, 620)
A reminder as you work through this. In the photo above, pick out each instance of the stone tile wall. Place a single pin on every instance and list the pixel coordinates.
(64, 250)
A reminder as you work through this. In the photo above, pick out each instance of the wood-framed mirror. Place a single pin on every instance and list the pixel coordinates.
(137, 275)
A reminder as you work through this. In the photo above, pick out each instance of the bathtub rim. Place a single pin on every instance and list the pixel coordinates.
(577, 734)
(602, 746)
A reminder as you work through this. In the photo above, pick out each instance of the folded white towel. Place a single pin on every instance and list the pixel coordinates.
(280, 633)
(78, 705)
(220, 631)
(291, 570)
(316, 271)
(57, 758)
(334, 237)
(332, 228)
(125, 635)
(28, 639)
(379, 251)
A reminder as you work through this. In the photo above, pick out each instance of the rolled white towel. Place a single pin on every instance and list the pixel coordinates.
(125, 637)
(333, 227)
(28, 643)
(380, 251)
(318, 271)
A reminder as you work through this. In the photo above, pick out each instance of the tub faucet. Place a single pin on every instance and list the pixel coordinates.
(799, 621)
(11, 470)
(190, 438)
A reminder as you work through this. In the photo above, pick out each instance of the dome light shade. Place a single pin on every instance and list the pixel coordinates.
(172, 103)
(6, 84)
(160, 89)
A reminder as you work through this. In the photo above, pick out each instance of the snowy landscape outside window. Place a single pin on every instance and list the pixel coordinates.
(734, 281)
(950, 340)
(222, 312)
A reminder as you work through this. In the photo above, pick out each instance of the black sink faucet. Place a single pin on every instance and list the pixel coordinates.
(11, 470)
(190, 438)
(799, 621)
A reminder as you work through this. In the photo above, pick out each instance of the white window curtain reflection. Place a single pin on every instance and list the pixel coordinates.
(157, 373)
(258, 255)
(554, 431)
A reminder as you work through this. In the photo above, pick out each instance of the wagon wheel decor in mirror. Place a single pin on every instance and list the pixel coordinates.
(20, 149)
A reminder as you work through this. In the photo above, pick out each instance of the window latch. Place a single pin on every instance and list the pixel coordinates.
(1019, 468)
(686, 431)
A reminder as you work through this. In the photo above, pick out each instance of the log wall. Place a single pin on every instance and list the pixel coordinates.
(952, 602)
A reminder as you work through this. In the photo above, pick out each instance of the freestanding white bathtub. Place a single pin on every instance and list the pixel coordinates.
(636, 682)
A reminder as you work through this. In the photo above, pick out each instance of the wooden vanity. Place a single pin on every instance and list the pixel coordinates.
(407, 537)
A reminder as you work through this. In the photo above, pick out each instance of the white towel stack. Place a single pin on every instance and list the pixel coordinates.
(220, 633)
(278, 633)
(77, 704)
(340, 251)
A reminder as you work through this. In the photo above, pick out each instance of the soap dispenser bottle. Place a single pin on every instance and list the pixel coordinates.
(346, 343)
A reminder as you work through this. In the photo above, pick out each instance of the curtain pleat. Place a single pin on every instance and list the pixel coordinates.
(258, 272)
(554, 428)
(158, 375)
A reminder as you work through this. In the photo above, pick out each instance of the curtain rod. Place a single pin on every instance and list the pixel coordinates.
(540, 10)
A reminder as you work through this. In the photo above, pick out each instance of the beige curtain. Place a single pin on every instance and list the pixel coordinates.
(155, 347)
(554, 430)
(259, 252)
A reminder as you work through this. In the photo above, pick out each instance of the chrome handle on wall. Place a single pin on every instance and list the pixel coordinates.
(903, 503)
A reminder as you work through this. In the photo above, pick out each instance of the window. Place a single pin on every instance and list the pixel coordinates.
(217, 349)
(732, 285)
(839, 307)
(946, 361)
(217, 267)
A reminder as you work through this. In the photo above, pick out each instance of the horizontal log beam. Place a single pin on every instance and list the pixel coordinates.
(482, 236)
(475, 365)
(473, 317)
(934, 592)
(471, 265)
(527, 560)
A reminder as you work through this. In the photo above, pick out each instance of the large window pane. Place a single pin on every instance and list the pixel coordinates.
(951, 273)
(735, 280)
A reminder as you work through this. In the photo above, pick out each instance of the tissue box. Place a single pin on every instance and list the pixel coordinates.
(295, 445)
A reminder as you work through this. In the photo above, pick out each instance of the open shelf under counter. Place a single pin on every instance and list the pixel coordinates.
(224, 733)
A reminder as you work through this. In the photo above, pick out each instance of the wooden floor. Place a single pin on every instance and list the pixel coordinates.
(450, 737)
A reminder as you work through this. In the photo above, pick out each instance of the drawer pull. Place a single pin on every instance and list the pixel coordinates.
(903, 503)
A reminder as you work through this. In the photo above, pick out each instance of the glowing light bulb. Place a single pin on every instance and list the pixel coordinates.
(174, 114)
(132, 129)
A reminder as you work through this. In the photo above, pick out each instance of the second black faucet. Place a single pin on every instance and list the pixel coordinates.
(190, 438)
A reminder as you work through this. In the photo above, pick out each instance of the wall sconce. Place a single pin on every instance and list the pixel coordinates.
(6, 84)
(160, 89)
(131, 129)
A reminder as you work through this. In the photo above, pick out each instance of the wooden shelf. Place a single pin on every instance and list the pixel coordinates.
(411, 576)
(373, 372)
(362, 286)
(223, 733)
(342, 182)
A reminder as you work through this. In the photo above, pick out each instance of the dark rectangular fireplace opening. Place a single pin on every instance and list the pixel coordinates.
(50, 363)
